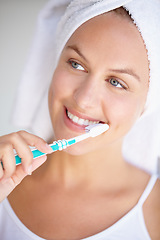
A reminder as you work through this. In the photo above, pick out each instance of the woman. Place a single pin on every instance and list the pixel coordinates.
(87, 191)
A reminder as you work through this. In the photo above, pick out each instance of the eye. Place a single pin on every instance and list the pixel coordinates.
(116, 83)
(76, 65)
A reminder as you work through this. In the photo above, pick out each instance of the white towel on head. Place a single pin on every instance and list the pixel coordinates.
(78, 12)
(141, 145)
(146, 16)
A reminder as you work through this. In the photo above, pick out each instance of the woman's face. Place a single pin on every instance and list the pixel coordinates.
(102, 76)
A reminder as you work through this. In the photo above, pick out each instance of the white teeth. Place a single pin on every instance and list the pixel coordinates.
(80, 121)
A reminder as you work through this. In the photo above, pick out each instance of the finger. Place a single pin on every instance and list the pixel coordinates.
(36, 141)
(38, 162)
(19, 174)
(22, 149)
(20, 142)
(7, 185)
(8, 165)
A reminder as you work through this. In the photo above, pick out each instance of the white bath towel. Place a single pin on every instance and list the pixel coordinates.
(142, 144)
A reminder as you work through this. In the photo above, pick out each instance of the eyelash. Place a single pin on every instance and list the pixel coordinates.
(71, 62)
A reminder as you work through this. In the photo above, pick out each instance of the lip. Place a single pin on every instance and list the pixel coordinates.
(83, 116)
(71, 125)
(74, 126)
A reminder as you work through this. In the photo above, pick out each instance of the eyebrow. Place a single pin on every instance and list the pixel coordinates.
(75, 48)
(126, 71)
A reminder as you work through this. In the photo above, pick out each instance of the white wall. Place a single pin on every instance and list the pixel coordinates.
(17, 25)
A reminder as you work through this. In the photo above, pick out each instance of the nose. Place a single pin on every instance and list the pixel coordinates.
(87, 94)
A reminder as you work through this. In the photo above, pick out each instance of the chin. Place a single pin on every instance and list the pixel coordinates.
(78, 149)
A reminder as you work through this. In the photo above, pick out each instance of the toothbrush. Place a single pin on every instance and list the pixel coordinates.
(91, 131)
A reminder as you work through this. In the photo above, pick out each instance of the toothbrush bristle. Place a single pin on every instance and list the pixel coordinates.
(97, 129)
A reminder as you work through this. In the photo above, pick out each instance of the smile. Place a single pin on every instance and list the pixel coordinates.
(80, 121)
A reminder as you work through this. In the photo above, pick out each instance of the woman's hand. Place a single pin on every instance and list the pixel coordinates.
(10, 174)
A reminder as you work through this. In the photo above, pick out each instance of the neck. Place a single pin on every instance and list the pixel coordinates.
(94, 168)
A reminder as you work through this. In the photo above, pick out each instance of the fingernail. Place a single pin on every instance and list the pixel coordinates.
(29, 170)
(49, 148)
(45, 157)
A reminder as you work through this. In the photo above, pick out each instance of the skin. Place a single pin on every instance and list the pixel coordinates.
(88, 187)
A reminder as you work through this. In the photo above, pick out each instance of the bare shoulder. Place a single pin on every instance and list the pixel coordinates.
(151, 211)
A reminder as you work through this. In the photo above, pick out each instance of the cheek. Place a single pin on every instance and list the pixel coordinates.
(60, 88)
(59, 84)
(122, 112)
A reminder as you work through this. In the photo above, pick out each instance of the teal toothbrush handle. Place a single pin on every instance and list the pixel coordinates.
(57, 145)
(36, 153)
